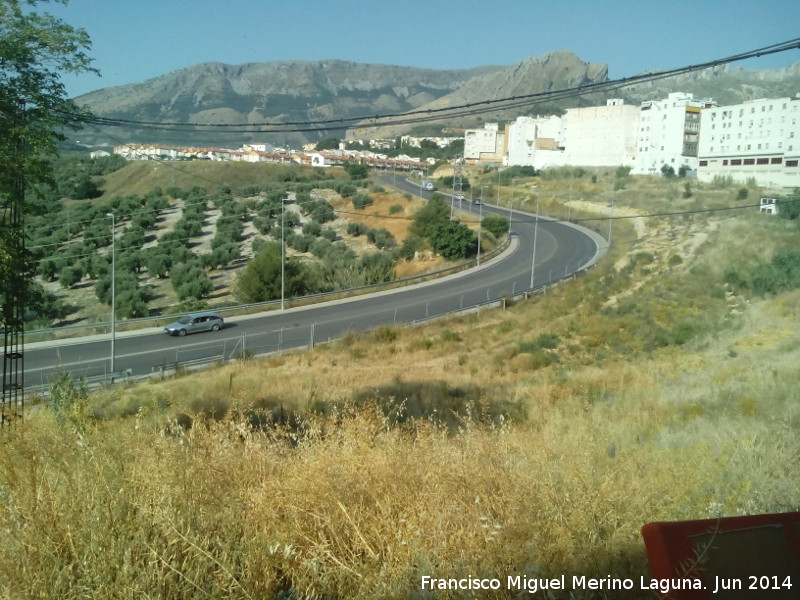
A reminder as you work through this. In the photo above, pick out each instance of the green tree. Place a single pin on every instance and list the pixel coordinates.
(356, 170)
(69, 276)
(411, 245)
(790, 208)
(261, 279)
(329, 143)
(667, 171)
(433, 213)
(35, 50)
(497, 225)
(453, 240)
(377, 267)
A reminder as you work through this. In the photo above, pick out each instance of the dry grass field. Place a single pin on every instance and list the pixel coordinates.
(535, 440)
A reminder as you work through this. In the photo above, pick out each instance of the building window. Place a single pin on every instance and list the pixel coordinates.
(776, 160)
(725, 163)
(749, 161)
(762, 161)
(791, 163)
(703, 163)
(735, 162)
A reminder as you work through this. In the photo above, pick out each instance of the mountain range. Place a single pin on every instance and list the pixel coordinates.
(306, 92)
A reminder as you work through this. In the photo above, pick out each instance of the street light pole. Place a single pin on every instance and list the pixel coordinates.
(511, 206)
(535, 233)
(113, 292)
(480, 219)
(283, 258)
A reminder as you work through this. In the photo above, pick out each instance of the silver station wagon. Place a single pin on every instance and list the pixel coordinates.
(195, 323)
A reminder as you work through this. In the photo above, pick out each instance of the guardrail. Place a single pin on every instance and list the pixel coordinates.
(273, 342)
(53, 333)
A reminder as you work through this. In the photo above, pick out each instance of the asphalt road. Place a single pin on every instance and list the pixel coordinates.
(561, 249)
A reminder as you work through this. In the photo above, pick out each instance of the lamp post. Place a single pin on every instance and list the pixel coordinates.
(535, 233)
(113, 292)
(283, 258)
(511, 205)
(480, 224)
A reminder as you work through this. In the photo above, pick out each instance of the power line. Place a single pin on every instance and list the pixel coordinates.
(423, 115)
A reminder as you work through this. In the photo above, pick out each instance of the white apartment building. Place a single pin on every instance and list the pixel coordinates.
(759, 139)
(669, 133)
(535, 142)
(485, 145)
(600, 136)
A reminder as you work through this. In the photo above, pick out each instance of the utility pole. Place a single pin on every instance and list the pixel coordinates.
(13, 309)
(113, 293)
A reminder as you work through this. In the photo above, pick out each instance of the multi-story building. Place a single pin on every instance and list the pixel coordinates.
(535, 142)
(600, 136)
(759, 140)
(669, 133)
(485, 146)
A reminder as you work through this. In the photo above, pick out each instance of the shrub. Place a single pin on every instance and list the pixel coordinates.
(497, 225)
(548, 340)
(411, 245)
(356, 229)
(361, 201)
(453, 240)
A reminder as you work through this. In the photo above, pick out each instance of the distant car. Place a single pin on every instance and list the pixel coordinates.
(195, 323)
(459, 196)
(477, 202)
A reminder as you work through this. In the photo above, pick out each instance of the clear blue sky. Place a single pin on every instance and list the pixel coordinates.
(134, 40)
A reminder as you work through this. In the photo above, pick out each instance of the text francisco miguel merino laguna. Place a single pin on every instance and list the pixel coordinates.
(664, 586)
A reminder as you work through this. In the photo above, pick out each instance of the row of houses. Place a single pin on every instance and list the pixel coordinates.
(258, 153)
(758, 139)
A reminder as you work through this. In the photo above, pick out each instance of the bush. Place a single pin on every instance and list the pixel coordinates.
(361, 201)
(382, 238)
(356, 229)
(497, 225)
(411, 245)
(453, 240)
(548, 340)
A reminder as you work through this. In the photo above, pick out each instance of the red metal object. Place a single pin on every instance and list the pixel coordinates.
(737, 558)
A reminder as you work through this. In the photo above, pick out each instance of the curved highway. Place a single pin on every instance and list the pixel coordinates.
(560, 249)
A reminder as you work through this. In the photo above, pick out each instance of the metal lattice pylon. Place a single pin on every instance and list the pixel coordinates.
(457, 179)
(15, 284)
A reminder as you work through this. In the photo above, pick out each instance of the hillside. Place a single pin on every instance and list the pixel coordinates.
(535, 440)
(274, 91)
(304, 92)
(221, 214)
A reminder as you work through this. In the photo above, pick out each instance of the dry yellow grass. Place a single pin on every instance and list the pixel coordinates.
(342, 498)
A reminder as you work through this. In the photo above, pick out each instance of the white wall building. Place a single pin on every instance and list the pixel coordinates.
(485, 145)
(601, 136)
(759, 139)
(669, 133)
(535, 142)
